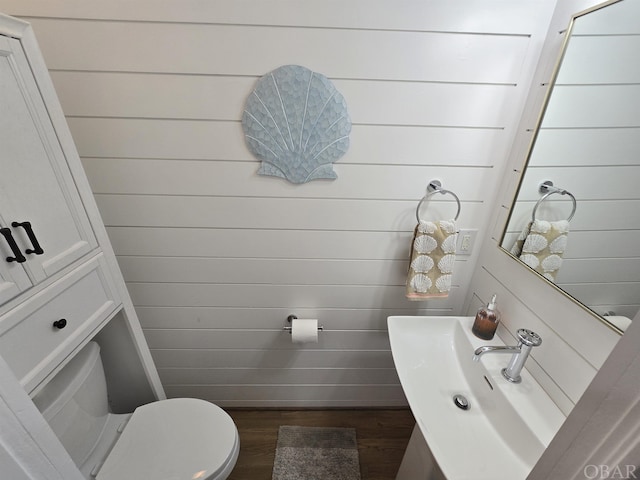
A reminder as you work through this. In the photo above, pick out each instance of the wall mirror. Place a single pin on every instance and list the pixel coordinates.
(587, 142)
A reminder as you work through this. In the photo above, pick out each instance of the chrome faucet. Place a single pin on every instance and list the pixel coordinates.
(526, 341)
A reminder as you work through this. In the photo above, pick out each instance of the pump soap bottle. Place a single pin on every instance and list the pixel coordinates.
(486, 321)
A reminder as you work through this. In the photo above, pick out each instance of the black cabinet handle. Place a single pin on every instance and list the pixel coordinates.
(6, 233)
(60, 324)
(37, 249)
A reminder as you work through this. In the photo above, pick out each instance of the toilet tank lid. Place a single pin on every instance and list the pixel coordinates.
(175, 438)
(63, 386)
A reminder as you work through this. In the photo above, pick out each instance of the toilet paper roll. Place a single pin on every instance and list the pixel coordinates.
(304, 330)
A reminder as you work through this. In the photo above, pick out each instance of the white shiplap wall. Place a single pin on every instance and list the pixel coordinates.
(575, 343)
(216, 257)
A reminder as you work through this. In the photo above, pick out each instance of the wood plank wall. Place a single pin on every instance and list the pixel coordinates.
(575, 343)
(216, 257)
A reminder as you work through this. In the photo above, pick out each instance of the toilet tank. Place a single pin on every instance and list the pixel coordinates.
(74, 403)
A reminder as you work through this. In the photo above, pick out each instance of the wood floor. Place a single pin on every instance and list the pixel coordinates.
(382, 438)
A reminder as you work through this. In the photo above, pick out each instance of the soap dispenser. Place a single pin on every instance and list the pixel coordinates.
(486, 321)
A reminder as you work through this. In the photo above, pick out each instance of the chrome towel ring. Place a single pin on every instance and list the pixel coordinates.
(435, 186)
(548, 189)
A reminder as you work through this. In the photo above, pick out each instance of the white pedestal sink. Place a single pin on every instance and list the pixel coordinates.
(506, 427)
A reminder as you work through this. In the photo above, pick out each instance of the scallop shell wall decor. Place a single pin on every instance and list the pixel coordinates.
(297, 124)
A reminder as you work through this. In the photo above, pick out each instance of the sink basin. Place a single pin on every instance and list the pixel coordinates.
(506, 427)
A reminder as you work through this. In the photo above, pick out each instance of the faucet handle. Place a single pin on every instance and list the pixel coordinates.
(529, 338)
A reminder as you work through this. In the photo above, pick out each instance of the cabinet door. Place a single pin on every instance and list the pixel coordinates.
(38, 199)
(13, 279)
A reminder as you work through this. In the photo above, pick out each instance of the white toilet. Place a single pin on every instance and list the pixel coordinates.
(175, 439)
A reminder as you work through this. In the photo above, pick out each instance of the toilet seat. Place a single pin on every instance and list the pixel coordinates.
(175, 439)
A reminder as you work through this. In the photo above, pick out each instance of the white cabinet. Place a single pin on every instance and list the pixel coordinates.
(60, 285)
(43, 224)
(12, 280)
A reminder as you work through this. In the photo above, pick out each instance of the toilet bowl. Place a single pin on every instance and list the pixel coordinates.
(174, 439)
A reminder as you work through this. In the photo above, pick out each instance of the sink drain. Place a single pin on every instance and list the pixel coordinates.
(461, 401)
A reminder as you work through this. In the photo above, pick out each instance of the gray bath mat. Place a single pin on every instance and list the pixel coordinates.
(316, 453)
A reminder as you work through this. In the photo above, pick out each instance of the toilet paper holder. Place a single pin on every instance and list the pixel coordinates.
(291, 318)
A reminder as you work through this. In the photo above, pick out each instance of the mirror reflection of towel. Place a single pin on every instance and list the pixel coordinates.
(433, 253)
(541, 246)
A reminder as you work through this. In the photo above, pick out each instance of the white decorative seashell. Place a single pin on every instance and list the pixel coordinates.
(443, 283)
(420, 283)
(530, 260)
(534, 243)
(540, 226)
(446, 263)
(296, 122)
(559, 244)
(551, 263)
(424, 244)
(448, 226)
(422, 264)
(426, 227)
(550, 276)
(562, 226)
(449, 244)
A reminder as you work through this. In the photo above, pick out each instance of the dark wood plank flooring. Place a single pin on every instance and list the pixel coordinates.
(382, 438)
